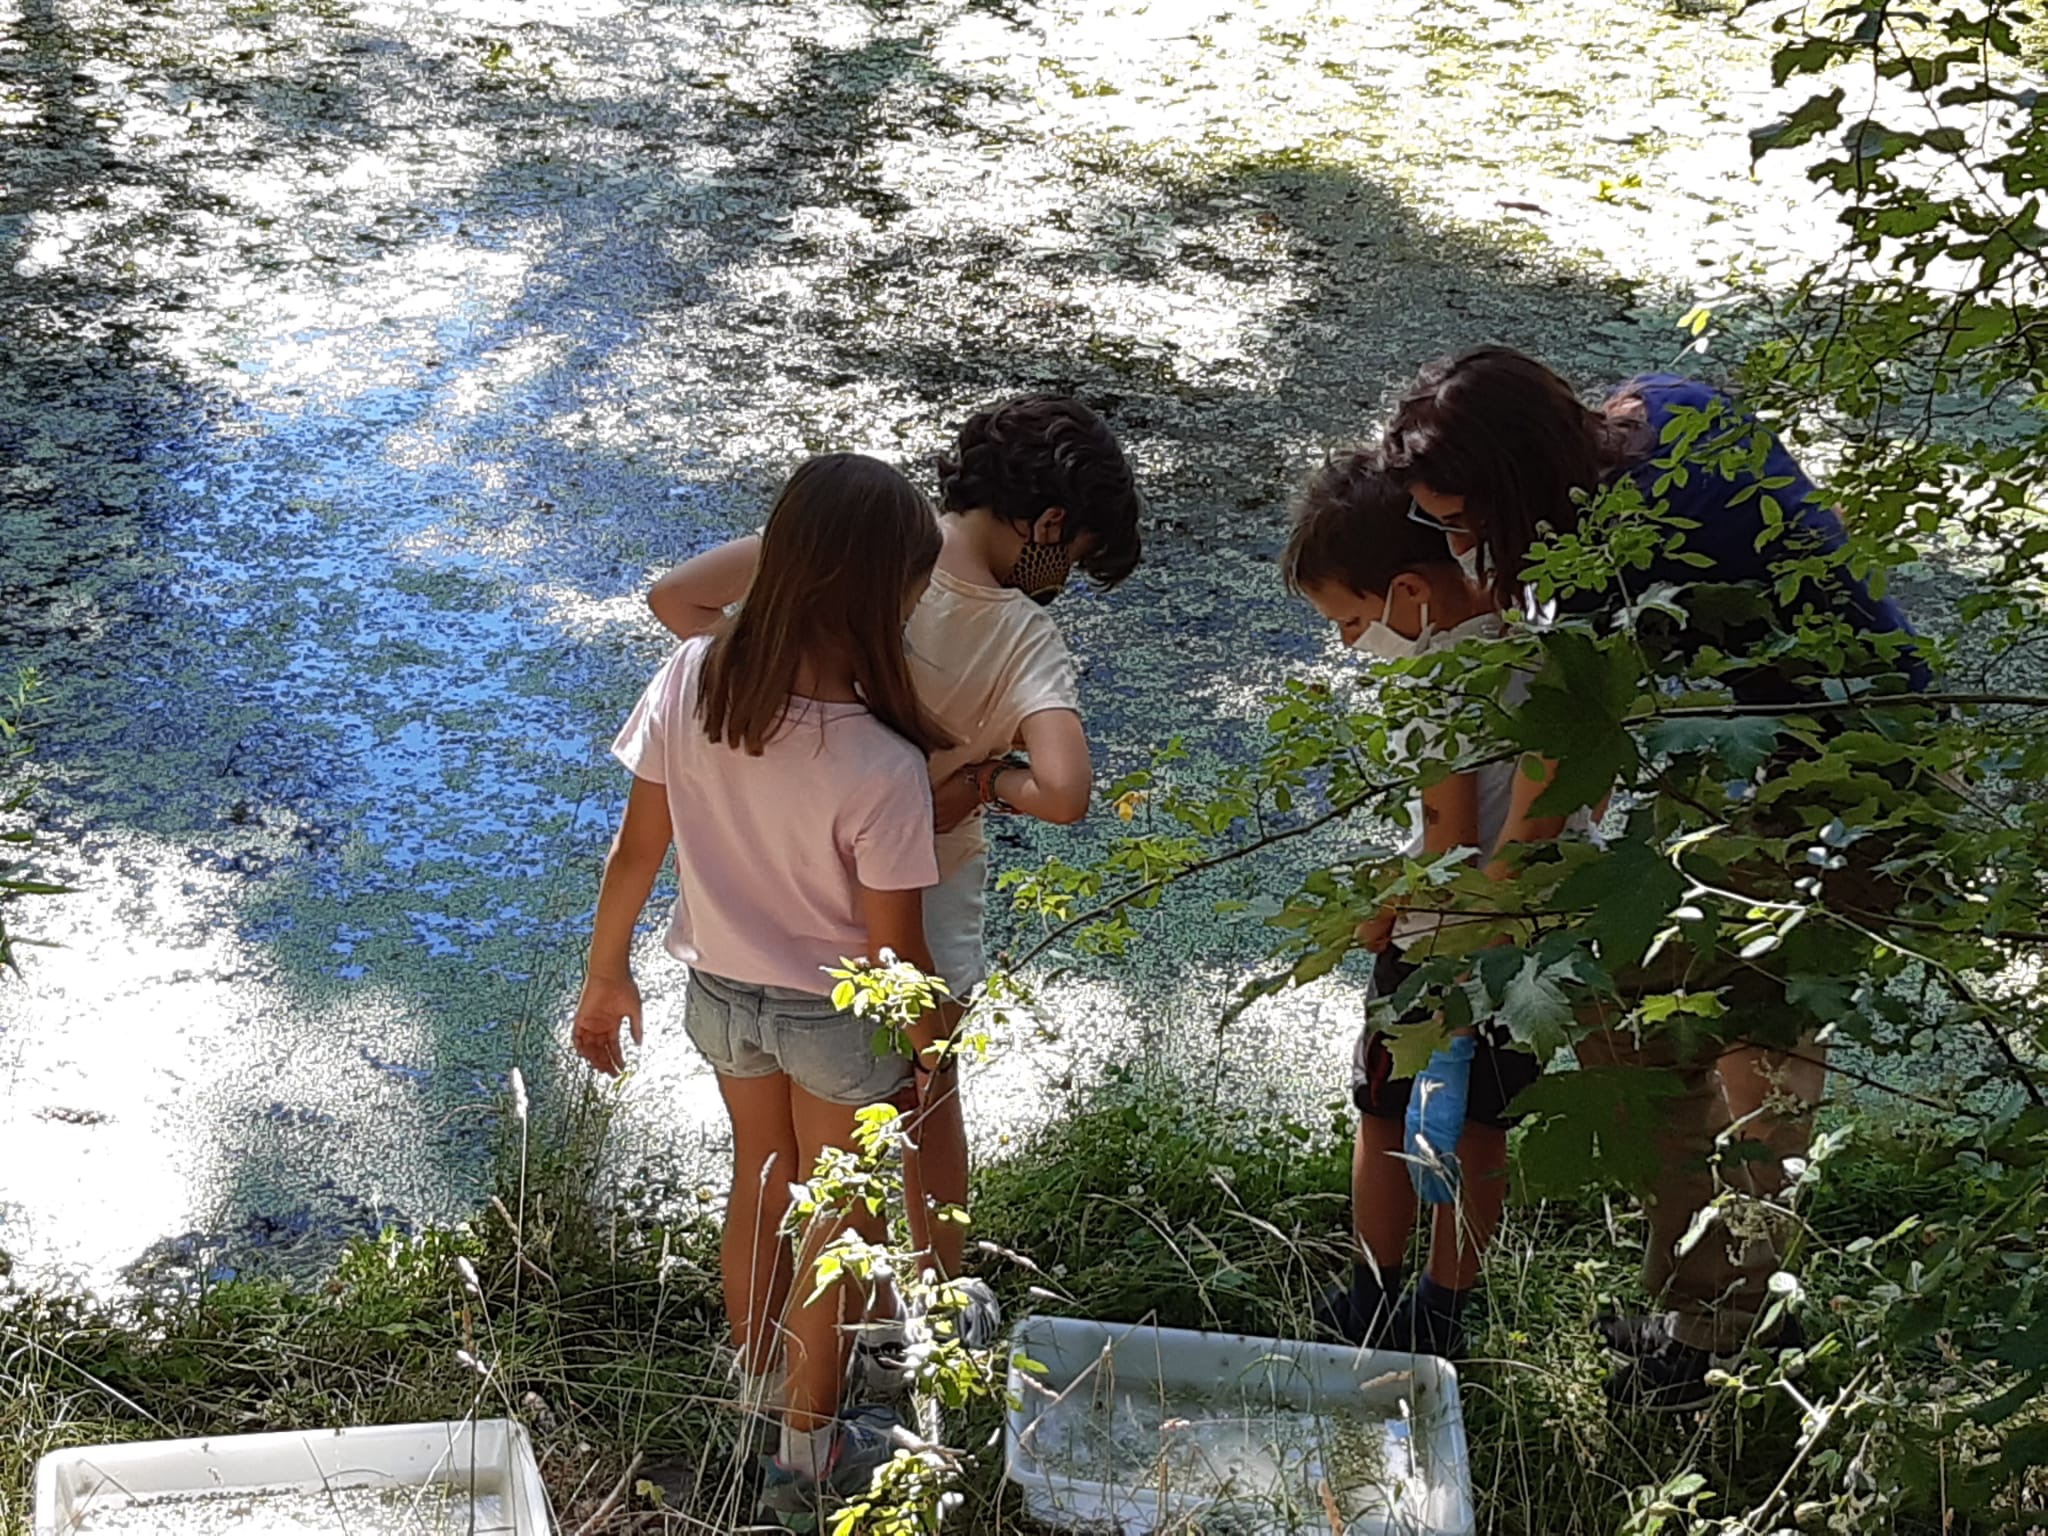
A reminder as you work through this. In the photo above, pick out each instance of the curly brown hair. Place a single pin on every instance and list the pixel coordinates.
(1038, 451)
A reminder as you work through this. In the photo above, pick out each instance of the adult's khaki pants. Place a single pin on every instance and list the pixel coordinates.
(1718, 1286)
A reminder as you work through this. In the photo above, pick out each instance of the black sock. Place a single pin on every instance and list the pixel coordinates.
(1439, 1303)
(1373, 1293)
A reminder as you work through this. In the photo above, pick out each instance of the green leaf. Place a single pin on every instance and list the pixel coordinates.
(2025, 1450)
(1587, 776)
(1742, 745)
(1591, 1128)
(1411, 1045)
(1815, 116)
(1666, 1006)
(1807, 57)
(1535, 1011)
(1630, 892)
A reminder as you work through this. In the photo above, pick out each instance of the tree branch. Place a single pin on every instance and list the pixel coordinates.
(1987, 1015)
(1836, 706)
(1115, 904)
(1925, 1101)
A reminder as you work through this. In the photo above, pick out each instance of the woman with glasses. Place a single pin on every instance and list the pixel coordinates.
(1501, 454)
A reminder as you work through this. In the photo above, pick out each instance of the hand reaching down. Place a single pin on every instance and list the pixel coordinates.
(606, 1000)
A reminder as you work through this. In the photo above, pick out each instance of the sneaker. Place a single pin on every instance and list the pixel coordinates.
(1632, 1335)
(1629, 1335)
(975, 1314)
(883, 1362)
(864, 1441)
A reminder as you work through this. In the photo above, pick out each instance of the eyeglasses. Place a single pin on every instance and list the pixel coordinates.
(1417, 515)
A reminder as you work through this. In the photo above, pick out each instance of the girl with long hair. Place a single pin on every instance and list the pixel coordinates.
(783, 757)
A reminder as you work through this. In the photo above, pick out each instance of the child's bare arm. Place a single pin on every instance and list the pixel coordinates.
(609, 991)
(694, 596)
(895, 922)
(1450, 819)
(1522, 825)
(1450, 814)
(1060, 779)
(1054, 786)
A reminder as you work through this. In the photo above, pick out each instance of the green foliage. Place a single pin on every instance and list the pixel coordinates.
(1150, 1201)
(1588, 1129)
(906, 1497)
(1801, 844)
(595, 1331)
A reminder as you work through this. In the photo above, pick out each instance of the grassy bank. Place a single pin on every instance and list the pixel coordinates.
(598, 1325)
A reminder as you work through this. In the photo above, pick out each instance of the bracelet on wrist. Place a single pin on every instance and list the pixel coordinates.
(986, 781)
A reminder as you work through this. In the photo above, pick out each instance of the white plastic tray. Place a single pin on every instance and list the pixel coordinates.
(137, 1487)
(1168, 1411)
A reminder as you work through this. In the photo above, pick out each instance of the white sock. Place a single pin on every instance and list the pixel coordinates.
(807, 1453)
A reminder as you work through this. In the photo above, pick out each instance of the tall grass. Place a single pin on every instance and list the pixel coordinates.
(598, 1321)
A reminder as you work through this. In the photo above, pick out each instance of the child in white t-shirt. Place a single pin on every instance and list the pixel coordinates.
(784, 758)
(1032, 489)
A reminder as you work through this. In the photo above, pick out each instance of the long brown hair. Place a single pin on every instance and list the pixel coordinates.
(847, 540)
(1503, 431)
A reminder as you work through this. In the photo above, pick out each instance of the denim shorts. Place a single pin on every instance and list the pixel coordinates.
(751, 1031)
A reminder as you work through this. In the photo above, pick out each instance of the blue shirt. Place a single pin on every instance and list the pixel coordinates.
(1728, 529)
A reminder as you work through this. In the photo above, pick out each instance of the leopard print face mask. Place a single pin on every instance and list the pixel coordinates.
(1042, 570)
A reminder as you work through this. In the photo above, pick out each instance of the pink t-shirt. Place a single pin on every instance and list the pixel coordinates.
(771, 851)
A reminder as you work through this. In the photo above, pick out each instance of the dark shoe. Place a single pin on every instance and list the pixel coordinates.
(1415, 1330)
(976, 1314)
(865, 1441)
(1336, 1316)
(1632, 1335)
(1669, 1379)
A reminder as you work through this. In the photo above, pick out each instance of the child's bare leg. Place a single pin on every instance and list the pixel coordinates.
(935, 1174)
(817, 1343)
(1382, 1218)
(1382, 1197)
(1461, 1232)
(753, 1255)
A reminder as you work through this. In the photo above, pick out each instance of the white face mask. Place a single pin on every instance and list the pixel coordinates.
(1390, 644)
(1473, 563)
